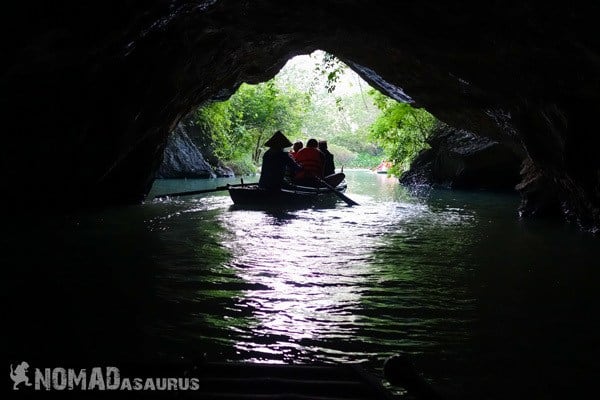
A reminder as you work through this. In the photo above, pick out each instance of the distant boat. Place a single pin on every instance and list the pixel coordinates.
(384, 167)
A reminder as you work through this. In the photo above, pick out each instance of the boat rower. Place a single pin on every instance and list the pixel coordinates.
(276, 162)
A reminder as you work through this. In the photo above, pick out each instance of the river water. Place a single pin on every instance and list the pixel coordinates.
(486, 305)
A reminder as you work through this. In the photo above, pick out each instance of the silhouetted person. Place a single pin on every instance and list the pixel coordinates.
(328, 165)
(296, 148)
(276, 162)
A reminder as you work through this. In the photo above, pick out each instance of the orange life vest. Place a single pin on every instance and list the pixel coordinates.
(311, 160)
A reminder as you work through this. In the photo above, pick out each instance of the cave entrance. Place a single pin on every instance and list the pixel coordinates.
(313, 96)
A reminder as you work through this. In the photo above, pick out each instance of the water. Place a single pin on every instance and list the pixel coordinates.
(486, 305)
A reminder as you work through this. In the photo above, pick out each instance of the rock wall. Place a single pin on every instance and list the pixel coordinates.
(183, 159)
(459, 159)
(108, 82)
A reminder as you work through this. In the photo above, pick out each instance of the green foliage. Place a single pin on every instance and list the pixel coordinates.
(324, 100)
(401, 130)
(364, 160)
(242, 166)
(347, 126)
(215, 125)
(240, 126)
(332, 69)
(342, 156)
(260, 110)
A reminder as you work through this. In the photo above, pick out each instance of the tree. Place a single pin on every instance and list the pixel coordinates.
(240, 125)
(401, 130)
(320, 97)
(260, 110)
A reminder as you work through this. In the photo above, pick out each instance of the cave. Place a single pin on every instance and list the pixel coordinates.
(105, 85)
(91, 92)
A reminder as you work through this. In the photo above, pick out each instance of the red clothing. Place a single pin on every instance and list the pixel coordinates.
(312, 161)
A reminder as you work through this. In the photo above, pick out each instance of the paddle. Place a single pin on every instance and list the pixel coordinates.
(339, 194)
(217, 189)
(400, 371)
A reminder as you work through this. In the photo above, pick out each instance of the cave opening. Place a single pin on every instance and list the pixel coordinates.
(318, 95)
(313, 96)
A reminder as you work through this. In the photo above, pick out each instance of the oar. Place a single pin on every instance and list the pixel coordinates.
(217, 189)
(339, 194)
(400, 371)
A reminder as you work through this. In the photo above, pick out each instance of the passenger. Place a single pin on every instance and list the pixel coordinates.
(276, 162)
(312, 161)
(328, 166)
(289, 175)
(296, 148)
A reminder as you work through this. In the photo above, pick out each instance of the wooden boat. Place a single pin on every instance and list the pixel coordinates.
(348, 381)
(239, 380)
(291, 195)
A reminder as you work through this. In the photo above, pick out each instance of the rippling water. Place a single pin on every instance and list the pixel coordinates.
(486, 305)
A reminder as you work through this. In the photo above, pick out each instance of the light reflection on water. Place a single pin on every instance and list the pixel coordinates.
(325, 284)
(425, 274)
(320, 270)
(477, 297)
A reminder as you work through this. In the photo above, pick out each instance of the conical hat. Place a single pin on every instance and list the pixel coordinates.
(278, 140)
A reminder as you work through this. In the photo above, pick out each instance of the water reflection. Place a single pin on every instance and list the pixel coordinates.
(332, 284)
(310, 295)
(326, 272)
(477, 297)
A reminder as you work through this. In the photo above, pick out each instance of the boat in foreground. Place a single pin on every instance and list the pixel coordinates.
(292, 195)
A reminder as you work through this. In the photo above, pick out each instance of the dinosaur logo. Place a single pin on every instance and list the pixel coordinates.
(19, 375)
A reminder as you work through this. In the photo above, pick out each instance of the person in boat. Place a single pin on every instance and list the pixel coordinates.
(276, 162)
(328, 165)
(289, 175)
(296, 148)
(312, 161)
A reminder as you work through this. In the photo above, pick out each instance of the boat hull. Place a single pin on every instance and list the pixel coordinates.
(294, 196)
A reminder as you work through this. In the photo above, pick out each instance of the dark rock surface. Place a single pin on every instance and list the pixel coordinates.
(458, 159)
(182, 159)
(107, 82)
(539, 196)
